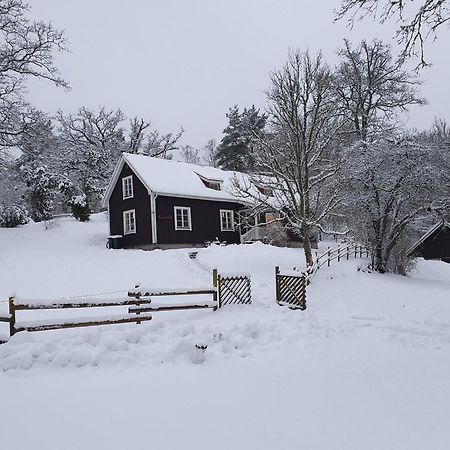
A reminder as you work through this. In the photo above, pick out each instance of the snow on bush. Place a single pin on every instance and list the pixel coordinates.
(12, 216)
(80, 207)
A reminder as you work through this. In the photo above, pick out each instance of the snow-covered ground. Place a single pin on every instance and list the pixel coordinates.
(366, 366)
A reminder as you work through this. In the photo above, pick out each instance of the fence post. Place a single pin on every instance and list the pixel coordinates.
(277, 286)
(219, 296)
(356, 250)
(360, 250)
(348, 251)
(12, 317)
(317, 260)
(339, 254)
(215, 296)
(303, 293)
(138, 296)
(329, 254)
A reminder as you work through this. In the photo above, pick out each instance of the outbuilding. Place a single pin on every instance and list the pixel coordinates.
(434, 244)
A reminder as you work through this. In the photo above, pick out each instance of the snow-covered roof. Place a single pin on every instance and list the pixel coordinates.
(178, 179)
(428, 233)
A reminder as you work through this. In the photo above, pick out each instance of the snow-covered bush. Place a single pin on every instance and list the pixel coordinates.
(80, 207)
(12, 216)
(275, 234)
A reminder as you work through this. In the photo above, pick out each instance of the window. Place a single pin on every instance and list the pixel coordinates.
(182, 218)
(226, 220)
(127, 187)
(129, 222)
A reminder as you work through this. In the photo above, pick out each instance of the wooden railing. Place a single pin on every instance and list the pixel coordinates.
(340, 252)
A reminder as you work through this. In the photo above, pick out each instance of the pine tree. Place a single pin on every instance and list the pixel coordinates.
(39, 166)
(236, 150)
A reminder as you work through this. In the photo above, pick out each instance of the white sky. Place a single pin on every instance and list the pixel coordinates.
(184, 62)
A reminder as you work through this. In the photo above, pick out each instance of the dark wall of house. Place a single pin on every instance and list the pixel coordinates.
(205, 218)
(437, 246)
(140, 202)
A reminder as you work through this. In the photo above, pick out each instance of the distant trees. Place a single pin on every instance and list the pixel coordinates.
(91, 143)
(236, 150)
(190, 154)
(26, 51)
(372, 89)
(419, 20)
(210, 153)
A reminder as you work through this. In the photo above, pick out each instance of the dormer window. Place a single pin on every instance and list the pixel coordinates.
(210, 183)
(265, 190)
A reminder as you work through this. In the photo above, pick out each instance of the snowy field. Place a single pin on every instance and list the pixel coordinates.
(365, 367)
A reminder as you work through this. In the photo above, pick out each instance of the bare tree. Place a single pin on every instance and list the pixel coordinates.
(161, 145)
(372, 88)
(190, 154)
(26, 51)
(91, 144)
(418, 23)
(137, 136)
(295, 155)
(210, 156)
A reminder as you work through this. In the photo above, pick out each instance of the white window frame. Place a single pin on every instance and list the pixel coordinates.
(182, 208)
(232, 219)
(125, 219)
(124, 184)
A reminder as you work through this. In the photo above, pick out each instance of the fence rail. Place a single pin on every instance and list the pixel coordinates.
(232, 289)
(338, 253)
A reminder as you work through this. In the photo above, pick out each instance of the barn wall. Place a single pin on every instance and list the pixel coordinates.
(437, 246)
(140, 202)
(205, 218)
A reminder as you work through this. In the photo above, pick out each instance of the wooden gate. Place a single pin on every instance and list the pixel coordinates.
(234, 290)
(291, 289)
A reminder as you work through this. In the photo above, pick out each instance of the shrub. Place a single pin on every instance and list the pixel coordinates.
(80, 207)
(13, 216)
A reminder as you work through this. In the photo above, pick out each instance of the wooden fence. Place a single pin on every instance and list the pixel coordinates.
(224, 290)
(342, 251)
(291, 287)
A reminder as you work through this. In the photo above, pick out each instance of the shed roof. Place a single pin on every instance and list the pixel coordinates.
(178, 179)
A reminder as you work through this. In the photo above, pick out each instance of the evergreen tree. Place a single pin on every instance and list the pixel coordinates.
(236, 151)
(39, 166)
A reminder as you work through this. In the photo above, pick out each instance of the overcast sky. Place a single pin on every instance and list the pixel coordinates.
(185, 62)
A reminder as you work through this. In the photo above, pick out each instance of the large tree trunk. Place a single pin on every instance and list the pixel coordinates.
(307, 246)
(380, 262)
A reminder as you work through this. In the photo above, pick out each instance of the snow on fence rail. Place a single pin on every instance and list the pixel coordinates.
(224, 290)
(291, 284)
